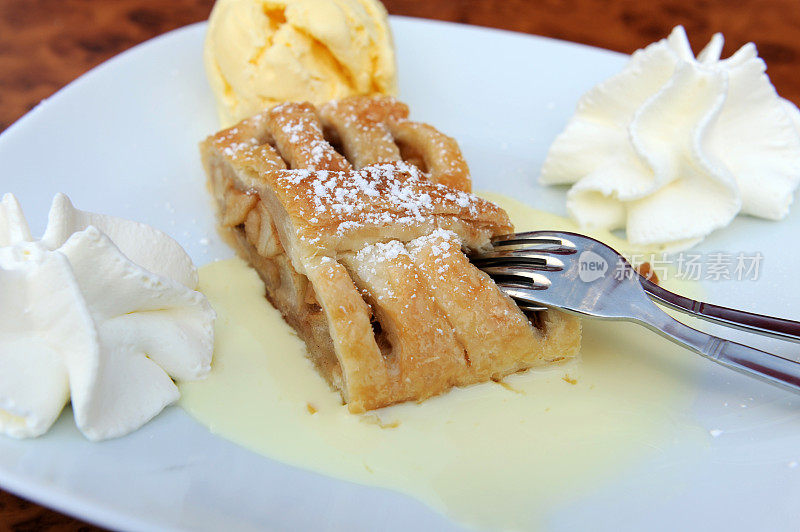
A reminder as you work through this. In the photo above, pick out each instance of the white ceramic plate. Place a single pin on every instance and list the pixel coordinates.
(122, 139)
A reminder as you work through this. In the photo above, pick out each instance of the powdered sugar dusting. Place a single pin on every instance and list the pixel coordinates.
(381, 194)
(382, 252)
(234, 148)
(440, 243)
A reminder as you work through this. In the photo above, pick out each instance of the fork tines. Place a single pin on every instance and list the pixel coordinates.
(535, 240)
(525, 248)
(514, 260)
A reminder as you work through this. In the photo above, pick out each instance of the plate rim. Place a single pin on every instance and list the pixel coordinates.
(83, 507)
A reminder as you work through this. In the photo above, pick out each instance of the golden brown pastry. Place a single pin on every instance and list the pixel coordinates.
(355, 218)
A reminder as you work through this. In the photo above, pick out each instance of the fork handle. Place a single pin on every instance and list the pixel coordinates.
(739, 319)
(765, 366)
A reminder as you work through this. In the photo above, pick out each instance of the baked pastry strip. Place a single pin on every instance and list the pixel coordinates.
(360, 127)
(363, 378)
(434, 152)
(297, 133)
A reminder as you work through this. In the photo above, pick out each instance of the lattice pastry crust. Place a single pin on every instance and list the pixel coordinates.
(356, 218)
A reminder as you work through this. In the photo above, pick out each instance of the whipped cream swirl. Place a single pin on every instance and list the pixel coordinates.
(102, 312)
(675, 146)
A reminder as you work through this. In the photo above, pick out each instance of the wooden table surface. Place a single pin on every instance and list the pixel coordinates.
(45, 44)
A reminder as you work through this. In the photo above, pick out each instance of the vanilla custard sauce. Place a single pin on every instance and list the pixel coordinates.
(493, 455)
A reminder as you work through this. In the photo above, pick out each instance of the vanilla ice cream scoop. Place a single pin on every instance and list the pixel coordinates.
(102, 312)
(675, 146)
(259, 53)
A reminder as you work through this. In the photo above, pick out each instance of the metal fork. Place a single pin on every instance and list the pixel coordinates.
(573, 273)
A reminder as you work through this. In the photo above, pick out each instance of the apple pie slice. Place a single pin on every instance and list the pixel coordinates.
(356, 218)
